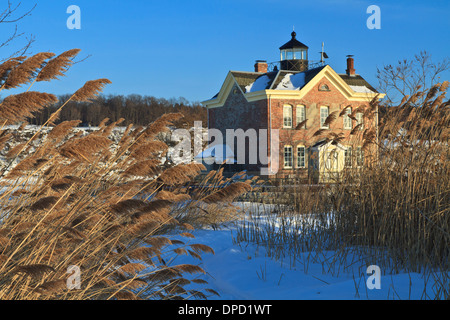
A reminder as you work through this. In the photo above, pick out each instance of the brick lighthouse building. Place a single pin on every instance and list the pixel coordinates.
(307, 103)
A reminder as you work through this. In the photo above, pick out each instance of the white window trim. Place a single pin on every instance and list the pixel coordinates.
(360, 114)
(320, 116)
(349, 119)
(351, 157)
(291, 111)
(359, 153)
(284, 157)
(297, 112)
(304, 156)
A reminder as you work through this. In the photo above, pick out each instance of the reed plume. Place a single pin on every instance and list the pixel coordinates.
(24, 72)
(57, 66)
(71, 198)
(331, 117)
(89, 90)
(8, 65)
(19, 107)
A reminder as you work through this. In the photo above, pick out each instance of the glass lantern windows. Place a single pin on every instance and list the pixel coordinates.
(294, 54)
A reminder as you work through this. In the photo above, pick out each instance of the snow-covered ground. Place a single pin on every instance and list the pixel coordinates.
(245, 272)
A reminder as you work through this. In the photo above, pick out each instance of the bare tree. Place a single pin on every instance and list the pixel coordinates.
(12, 15)
(410, 77)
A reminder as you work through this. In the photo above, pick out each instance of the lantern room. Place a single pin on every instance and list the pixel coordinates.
(294, 55)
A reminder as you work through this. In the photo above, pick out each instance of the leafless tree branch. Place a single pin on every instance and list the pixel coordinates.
(9, 15)
(409, 77)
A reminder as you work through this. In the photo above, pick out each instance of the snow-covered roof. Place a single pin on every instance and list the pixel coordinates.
(250, 82)
(292, 82)
(275, 80)
(219, 153)
(361, 89)
(259, 84)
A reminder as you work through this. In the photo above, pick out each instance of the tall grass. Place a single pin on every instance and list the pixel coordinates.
(114, 211)
(393, 211)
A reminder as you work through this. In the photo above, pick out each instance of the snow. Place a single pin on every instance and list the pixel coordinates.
(245, 272)
(259, 84)
(361, 89)
(218, 153)
(292, 81)
(289, 82)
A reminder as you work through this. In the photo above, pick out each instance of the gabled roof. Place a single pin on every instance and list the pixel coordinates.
(356, 80)
(309, 75)
(272, 79)
(244, 79)
(256, 86)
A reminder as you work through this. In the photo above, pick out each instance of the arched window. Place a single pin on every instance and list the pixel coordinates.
(347, 119)
(360, 119)
(324, 112)
(348, 157)
(287, 116)
(301, 157)
(301, 115)
(287, 157)
(359, 157)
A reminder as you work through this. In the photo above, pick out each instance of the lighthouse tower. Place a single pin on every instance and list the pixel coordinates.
(294, 55)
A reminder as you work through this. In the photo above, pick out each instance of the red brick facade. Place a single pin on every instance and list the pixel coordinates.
(312, 101)
(238, 112)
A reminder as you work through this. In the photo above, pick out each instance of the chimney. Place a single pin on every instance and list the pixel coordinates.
(350, 66)
(261, 66)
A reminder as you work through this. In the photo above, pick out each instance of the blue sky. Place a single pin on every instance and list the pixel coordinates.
(185, 48)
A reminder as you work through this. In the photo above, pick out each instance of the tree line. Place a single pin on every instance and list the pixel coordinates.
(134, 108)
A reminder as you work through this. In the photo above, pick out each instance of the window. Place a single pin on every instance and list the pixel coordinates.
(289, 55)
(323, 116)
(360, 119)
(287, 116)
(301, 115)
(301, 155)
(348, 157)
(298, 54)
(331, 160)
(359, 157)
(287, 156)
(347, 119)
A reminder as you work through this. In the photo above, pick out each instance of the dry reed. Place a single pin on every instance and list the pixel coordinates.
(392, 211)
(74, 199)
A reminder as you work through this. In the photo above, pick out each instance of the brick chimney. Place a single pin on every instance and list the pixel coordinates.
(350, 66)
(261, 66)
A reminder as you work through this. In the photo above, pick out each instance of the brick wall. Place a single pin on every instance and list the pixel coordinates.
(237, 113)
(312, 101)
